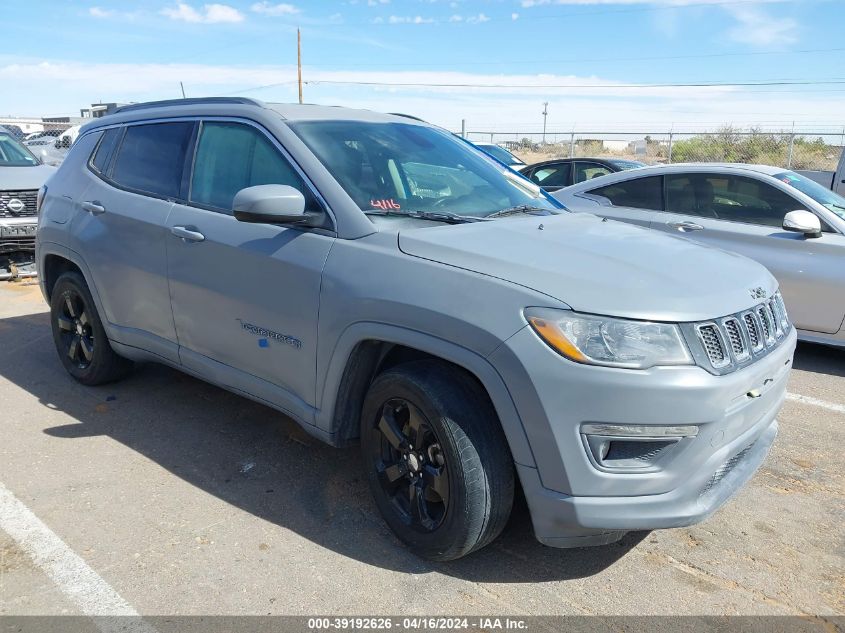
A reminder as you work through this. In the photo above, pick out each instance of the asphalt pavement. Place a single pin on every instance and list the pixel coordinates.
(165, 495)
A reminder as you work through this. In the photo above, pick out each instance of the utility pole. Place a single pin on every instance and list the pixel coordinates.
(545, 114)
(299, 62)
(182, 86)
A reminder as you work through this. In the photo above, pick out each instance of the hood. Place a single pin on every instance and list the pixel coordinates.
(25, 177)
(599, 267)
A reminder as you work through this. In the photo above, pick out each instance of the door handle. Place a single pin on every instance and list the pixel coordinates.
(186, 234)
(685, 226)
(93, 207)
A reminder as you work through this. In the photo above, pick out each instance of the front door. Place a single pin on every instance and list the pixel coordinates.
(245, 295)
(634, 201)
(745, 215)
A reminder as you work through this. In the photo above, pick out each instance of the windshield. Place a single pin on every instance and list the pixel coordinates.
(500, 154)
(401, 167)
(626, 164)
(824, 196)
(13, 154)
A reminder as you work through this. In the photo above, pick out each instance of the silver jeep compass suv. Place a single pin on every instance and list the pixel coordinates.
(382, 281)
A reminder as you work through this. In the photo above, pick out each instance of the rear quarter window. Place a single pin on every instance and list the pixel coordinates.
(105, 149)
(151, 158)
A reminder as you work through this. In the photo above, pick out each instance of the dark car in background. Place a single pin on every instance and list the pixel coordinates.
(558, 173)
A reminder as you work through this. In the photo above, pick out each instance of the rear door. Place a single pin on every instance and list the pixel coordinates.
(634, 201)
(245, 295)
(583, 170)
(745, 215)
(552, 176)
(137, 174)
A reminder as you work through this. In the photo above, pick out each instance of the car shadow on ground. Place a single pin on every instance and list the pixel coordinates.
(820, 359)
(262, 462)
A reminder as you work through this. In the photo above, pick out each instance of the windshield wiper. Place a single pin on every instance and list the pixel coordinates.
(436, 216)
(521, 208)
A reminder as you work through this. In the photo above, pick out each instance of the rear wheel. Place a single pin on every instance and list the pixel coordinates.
(437, 462)
(78, 333)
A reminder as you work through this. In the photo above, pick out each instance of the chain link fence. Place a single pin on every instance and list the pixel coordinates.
(790, 150)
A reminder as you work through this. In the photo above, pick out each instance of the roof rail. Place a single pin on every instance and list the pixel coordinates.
(408, 116)
(192, 101)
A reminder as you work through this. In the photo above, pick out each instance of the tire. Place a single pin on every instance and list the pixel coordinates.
(452, 493)
(78, 334)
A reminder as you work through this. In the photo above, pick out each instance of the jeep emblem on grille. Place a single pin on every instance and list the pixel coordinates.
(15, 206)
(758, 293)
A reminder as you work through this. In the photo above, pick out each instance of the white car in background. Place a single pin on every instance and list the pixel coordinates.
(790, 224)
(21, 177)
(501, 154)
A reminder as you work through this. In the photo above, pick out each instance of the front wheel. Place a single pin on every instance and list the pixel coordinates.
(436, 459)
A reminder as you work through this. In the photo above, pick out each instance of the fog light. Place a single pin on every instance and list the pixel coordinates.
(633, 448)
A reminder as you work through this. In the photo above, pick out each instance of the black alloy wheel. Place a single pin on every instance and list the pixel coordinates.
(78, 334)
(411, 466)
(76, 331)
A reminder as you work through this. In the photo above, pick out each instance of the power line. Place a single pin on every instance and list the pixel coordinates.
(579, 60)
(724, 84)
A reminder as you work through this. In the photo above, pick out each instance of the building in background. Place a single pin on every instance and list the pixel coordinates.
(98, 110)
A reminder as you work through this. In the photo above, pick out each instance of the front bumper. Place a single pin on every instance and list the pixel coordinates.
(574, 503)
(565, 521)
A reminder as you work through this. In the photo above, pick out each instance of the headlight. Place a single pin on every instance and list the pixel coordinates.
(598, 340)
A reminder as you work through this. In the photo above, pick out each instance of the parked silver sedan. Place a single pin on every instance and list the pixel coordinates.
(792, 225)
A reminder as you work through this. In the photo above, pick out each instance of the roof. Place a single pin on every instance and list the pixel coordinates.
(240, 106)
(312, 112)
(674, 168)
(760, 169)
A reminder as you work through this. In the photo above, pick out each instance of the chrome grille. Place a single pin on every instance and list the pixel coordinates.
(715, 347)
(753, 329)
(739, 339)
(739, 348)
(18, 203)
(765, 321)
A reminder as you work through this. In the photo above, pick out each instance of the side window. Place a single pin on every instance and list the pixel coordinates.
(105, 149)
(639, 193)
(552, 175)
(728, 197)
(151, 157)
(233, 156)
(588, 171)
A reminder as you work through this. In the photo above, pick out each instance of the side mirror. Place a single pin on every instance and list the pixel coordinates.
(272, 204)
(803, 222)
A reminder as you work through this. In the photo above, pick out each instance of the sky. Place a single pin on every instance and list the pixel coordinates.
(601, 65)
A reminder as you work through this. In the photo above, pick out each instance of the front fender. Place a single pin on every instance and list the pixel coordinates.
(477, 365)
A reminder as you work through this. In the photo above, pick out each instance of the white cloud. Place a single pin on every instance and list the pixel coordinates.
(208, 14)
(514, 16)
(375, 3)
(63, 86)
(757, 28)
(401, 19)
(268, 8)
(477, 19)
(97, 12)
(666, 3)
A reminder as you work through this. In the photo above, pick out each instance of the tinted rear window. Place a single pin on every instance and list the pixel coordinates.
(151, 157)
(105, 149)
(640, 193)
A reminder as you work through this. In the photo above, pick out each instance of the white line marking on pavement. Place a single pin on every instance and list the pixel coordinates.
(830, 406)
(74, 578)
